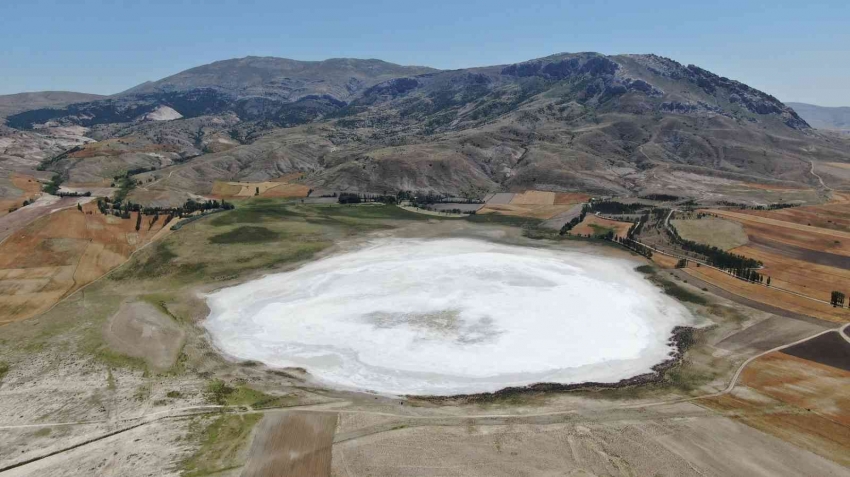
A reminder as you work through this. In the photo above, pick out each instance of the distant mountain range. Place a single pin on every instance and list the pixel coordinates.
(582, 121)
(821, 117)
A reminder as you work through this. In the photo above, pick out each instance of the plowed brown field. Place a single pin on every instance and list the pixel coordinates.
(797, 400)
(61, 252)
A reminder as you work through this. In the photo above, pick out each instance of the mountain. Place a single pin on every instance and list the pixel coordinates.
(821, 117)
(572, 121)
(16, 103)
(278, 89)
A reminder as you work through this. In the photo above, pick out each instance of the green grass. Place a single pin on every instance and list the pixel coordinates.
(219, 392)
(221, 444)
(599, 230)
(246, 234)
(645, 269)
(4, 369)
(678, 292)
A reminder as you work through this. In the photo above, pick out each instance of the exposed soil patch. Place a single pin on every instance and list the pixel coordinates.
(140, 330)
(800, 253)
(829, 349)
(292, 444)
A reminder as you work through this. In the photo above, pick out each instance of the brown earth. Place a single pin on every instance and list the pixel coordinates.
(542, 212)
(534, 197)
(292, 444)
(61, 252)
(279, 188)
(811, 279)
(797, 400)
(802, 235)
(30, 188)
(585, 227)
(770, 295)
(141, 330)
(563, 198)
(829, 349)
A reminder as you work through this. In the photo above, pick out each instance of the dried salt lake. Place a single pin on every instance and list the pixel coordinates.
(450, 316)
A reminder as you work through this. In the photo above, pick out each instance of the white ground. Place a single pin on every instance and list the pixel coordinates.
(450, 316)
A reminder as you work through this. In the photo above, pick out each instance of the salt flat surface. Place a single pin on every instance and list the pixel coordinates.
(450, 316)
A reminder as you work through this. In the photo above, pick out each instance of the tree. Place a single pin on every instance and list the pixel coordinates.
(139, 221)
(837, 300)
(682, 263)
(768, 281)
(257, 192)
(79, 207)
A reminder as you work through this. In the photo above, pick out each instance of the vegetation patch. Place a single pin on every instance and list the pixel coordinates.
(678, 292)
(221, 393)
(645, 269)
(246, 234)
(221, 443)
(4, 369)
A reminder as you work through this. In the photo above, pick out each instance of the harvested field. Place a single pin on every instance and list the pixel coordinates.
(46, 204)
(699, 445)
(769, 295)
(535, 211)
(292, 444)
(770, 333)
(61, 252)
(835, 216)
(807, 278)
(799, 401)
(815, 238)
(502, 198)
(278, 188)
(664, 261)
(831, 260)
(829, 349)
(721, 233)
(559, 220)
(141, 330)
(564, 198)
(29, 188)
(595, 225)
(534, 197)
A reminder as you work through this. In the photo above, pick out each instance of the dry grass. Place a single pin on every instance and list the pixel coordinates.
(535, 211)
(534, 197)
(770, 295)
(810, 279)
(720, 233)
(30, 188)
(278, 188)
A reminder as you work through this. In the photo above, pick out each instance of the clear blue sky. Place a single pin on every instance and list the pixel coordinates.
(796, 51)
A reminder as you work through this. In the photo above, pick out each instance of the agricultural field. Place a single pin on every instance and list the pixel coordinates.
(73, 247)
(597, 226)
(720, 233)
(282, 187)
(24, 188)
(536, 204)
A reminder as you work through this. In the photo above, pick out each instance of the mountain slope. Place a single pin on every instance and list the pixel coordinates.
(821, 117)
(16, 103)
(584, 121)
